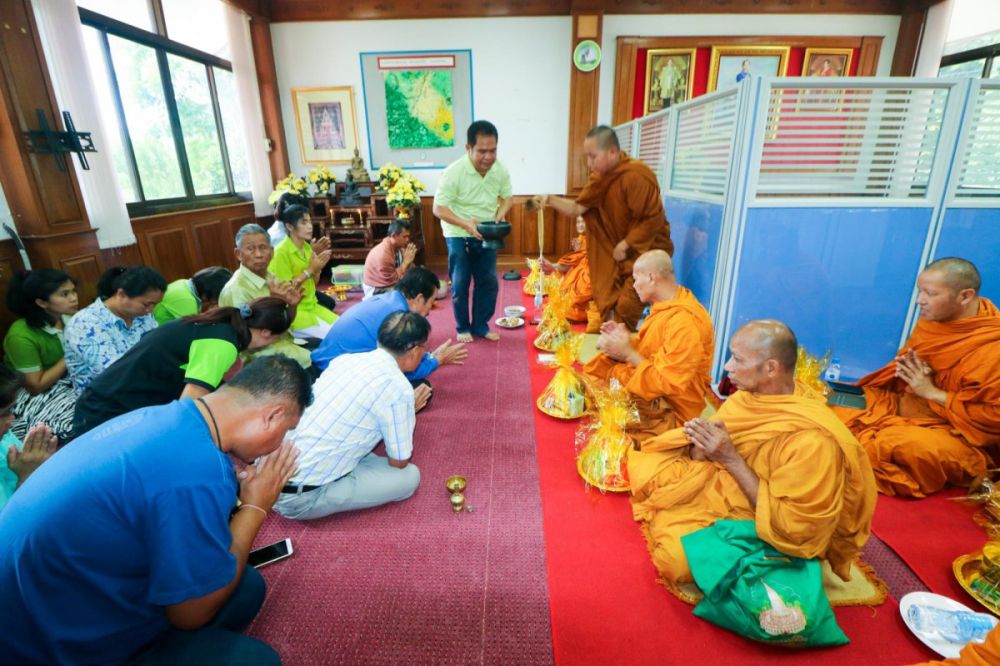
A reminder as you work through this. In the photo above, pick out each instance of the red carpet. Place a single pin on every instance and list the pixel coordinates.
(607, 606)
(413, 582)
(929, 534)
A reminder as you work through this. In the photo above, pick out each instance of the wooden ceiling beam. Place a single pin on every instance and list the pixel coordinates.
(352, 10)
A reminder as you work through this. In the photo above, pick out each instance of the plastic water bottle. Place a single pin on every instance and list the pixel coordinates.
(832, 373)
(958, 627)
(538, 305)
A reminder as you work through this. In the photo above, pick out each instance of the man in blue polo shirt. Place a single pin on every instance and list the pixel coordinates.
(357, 329)
(125, 545)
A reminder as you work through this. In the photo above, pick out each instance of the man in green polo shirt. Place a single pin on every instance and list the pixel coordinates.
(470, 191)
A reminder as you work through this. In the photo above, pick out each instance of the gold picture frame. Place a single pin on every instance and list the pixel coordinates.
(732, 64)
(837, 62)
(326, 123)
(668, 65)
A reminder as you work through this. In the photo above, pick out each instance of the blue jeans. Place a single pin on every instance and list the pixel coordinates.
(469, 261)
(220, 641)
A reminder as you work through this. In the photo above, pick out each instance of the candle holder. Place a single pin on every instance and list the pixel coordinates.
(456, 485)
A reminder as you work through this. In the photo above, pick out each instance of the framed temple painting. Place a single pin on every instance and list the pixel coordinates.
(669, 78)
(326, 124)
(733, 64)
(827, 62)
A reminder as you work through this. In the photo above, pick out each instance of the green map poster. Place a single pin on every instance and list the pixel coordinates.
(419, 109)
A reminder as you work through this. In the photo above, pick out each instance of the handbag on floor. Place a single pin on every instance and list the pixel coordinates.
(757, 591)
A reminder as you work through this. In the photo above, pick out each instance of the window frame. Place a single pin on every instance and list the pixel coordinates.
(990, 52)
(162, 46)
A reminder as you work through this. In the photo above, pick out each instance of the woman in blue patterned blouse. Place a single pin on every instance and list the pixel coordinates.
(107, 328)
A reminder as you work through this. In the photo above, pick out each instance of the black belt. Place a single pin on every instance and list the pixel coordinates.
(294, 490)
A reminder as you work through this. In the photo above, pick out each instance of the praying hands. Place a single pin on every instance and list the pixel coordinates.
(919, 377)
(616, 341)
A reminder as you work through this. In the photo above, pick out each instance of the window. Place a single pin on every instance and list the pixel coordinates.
(977, 56)
(169, 93)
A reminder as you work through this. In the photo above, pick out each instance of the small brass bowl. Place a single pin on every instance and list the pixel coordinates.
(457, 502)
(455, 484)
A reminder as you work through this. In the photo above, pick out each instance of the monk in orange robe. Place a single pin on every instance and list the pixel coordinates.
(624, 211)
(975, 654)
(666, 366)
(775, 454)
(575, 269)
(932, 415)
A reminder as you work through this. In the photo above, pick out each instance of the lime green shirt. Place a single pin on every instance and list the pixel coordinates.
(471, 196)
(29, 349)
(246, 286)
(288, 263)
(179, 300)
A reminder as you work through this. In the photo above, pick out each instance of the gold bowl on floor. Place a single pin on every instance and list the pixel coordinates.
(455, 484)
(968, 571)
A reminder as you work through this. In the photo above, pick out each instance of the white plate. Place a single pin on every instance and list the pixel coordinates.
(501, 322)
(934, 641)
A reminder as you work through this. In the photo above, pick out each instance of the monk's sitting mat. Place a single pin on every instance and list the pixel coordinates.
(757, 591)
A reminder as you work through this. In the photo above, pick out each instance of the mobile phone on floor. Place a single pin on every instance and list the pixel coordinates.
(278, 550)
(852, 389)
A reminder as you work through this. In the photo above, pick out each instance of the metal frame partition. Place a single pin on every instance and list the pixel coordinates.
(822, 198)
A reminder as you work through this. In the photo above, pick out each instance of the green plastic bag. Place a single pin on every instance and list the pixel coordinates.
(759, 592)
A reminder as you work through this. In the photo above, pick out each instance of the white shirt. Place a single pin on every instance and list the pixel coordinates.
(359, 401)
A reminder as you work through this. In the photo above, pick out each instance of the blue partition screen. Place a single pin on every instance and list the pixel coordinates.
(974, 234)
(695, 228)
(842, 278)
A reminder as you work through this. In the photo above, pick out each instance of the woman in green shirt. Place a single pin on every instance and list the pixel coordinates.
(45, 299)
(296, 261)
(189, 296)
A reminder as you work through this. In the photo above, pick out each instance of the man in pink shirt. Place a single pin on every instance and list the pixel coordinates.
(387, 261)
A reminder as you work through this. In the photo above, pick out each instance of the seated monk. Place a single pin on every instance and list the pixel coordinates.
(665, 367)
(775, 454)
(575, 277)
(932, 413)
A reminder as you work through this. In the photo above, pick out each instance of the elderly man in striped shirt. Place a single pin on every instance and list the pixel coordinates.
(360, 400)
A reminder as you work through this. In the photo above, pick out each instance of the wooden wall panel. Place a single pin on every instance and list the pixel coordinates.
(10, 263)
(584, 89)
(87, 270)
(178, 244)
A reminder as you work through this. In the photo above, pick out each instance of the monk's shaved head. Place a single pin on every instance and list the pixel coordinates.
(605, 137)
(656, 261)
(958, 273)
(771, 339)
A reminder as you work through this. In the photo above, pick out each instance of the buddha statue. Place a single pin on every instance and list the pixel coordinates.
(349, 195)
(358, 169)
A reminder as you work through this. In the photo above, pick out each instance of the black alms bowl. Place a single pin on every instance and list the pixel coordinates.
(493, 233)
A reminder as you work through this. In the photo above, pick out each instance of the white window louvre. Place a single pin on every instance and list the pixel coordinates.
(625, 133)
(978, 175)
(653, 138)
(875, 142)
(704, 146)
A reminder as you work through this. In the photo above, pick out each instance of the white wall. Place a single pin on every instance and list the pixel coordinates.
(521, 70)
(520, 80)
(934, 38)
(734, 25)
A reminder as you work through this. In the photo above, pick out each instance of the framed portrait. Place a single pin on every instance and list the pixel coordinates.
(732, 64)
(827, 62)
(326, 124)
(669, 79)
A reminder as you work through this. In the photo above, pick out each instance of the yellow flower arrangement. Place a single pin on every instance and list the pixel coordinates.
(291, 183)
(388, 175)
(323, 179)
(404, 192)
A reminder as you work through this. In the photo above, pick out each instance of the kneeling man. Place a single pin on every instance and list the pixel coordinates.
(932, 413)
(666, 366)
(776, 455)
(361, 400)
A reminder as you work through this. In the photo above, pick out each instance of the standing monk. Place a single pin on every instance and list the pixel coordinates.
(624, 212)
(665, 367)
(776, 455)
(933, 412)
